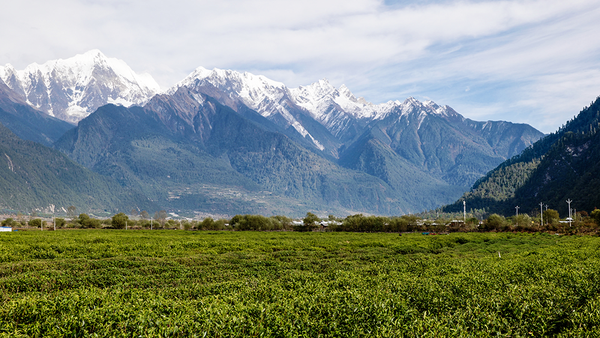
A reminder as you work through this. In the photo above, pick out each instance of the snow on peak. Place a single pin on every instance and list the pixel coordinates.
(254, 90)
(412, 106)
(319, 97)
(73, 88)
(219, 78)
(267, 97)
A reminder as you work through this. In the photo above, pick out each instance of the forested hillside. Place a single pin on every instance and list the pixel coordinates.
(34, 177)
(563, 165)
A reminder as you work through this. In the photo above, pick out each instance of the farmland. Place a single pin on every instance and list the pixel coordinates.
(290, 284)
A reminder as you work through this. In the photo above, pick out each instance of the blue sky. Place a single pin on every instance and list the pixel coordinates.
(528, 61)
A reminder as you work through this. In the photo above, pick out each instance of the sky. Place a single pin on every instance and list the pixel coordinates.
(524, 61)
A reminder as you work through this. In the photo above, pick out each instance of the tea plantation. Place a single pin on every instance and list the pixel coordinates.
(113, 283)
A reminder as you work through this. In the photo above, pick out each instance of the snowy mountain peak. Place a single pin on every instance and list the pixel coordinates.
(72, 88)
(269, 98)
(411, 101)
(219, 78)
(414, 106)
(255, 91)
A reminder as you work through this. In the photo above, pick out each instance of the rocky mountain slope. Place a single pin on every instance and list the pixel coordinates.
(27, 122)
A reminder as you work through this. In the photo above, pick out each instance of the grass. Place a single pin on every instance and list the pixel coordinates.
(287, 284)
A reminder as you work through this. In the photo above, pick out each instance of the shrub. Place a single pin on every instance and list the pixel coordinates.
(36, 223)
(495, 222)
(119, 221)
(595, 215)
(60, 222)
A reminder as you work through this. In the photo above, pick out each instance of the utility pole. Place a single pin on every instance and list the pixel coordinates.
(517, 218)
(465, 212)
(151, 223)
(541, 213)
(570, 219)
(54, 222)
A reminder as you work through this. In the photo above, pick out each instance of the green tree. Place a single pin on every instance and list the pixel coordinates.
(60, 222)
(37, 222)
(87, 222)
(161, 217)
(83, 218)
(207, 224)
(310, 221)
(21, 218)
(9, 222)
(522, 222)
(172, 224)
(551, 216)
(251, 222)
(119, 221)
(144, 214)
(595, 215)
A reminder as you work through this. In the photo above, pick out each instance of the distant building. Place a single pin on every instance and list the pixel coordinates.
(456, 223)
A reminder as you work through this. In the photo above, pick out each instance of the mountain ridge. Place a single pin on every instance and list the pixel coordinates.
(27, 122)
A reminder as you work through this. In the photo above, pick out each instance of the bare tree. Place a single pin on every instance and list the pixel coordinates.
(161, 217)
(71, 212)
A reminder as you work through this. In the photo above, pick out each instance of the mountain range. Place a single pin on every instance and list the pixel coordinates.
(331, 121)
(226, 142)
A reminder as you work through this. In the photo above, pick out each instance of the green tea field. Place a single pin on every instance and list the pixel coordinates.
(117, 283)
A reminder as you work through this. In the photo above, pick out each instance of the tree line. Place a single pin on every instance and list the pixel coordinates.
(549, 221)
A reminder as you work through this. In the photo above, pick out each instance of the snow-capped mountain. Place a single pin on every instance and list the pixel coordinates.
(319, 97)
(73, 88)
(269, 98)
(337, 109)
